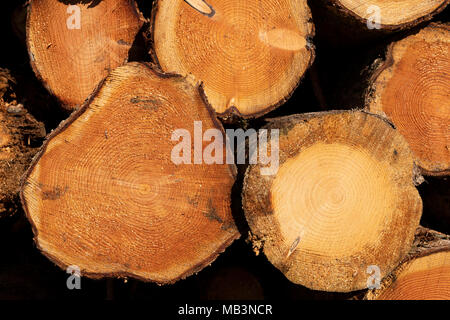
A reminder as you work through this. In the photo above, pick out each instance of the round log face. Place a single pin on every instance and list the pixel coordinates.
(394, 12)
(343, 200)
(250, 55)
(424, 274)
(424, 278)
(322, 188)
(412, 89)
(73, 47)
(105, 196)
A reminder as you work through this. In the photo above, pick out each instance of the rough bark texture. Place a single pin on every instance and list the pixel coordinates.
(424, 274)
(250, 55)
(342, 200)
(72, 47)
(104, 194)
(411, 87)
(20, 136)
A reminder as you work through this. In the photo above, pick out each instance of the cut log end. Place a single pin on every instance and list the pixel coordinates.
(343, 200)
(394, 13)
(73, 47)
(411, 89)
(105, 195)
(249, 55)
(423, 275)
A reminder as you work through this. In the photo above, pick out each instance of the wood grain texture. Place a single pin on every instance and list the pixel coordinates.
(104, 194)
(348, 23)
(394, 13)
(343, 199)
(71, 62)
(412, 89)
(424, 274)
(250, 55)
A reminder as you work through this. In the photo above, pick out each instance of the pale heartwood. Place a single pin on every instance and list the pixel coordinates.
(343, 200)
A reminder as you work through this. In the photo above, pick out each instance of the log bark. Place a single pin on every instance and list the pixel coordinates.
(342, 200)
(73, 46)
(20, 136)
(104, 194)
(424, 274)
(411, 88)
(250, 55)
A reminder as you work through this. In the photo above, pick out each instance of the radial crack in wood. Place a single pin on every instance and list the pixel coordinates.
(342, 200)
(423, 275)
(105, 195)
(250, 55)
(412, 89)
(73, 47)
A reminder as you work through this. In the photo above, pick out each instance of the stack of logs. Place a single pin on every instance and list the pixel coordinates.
(342, 212)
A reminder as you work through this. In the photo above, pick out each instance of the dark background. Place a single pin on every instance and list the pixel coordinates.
(334, 82)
